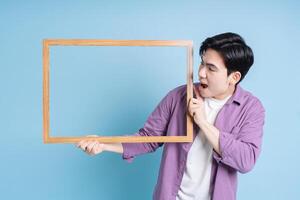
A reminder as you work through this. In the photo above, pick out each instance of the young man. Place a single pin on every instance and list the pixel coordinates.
(228, 128)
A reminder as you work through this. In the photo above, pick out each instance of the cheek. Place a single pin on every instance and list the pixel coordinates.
(218, 84)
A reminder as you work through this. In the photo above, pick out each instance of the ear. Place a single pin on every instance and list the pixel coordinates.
(235, 77)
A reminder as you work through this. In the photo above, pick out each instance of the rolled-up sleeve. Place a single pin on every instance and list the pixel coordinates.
(241, 147)
(156, 125)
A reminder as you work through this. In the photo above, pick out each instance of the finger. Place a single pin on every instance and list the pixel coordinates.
(197, 92)
(90, 146)
(84, 145)
(194, 108)
(83, 141)
(195, 104)
(79, 144)
(91, 140)
(195, 101)
(97, 149)
(94, 150)
(192, 113)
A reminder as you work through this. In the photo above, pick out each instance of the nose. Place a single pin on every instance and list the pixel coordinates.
(202, 72)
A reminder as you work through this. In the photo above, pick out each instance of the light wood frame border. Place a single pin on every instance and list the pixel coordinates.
(114, 139)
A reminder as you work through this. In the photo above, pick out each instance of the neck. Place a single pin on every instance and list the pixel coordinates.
(229, 92)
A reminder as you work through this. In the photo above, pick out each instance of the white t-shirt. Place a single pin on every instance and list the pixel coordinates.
(196, 178)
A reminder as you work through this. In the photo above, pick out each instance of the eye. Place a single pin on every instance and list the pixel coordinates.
(211, 69)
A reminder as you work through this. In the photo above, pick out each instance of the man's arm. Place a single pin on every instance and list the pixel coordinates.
(211, 133)
(156, 125)
(196, 110)
(239, 149)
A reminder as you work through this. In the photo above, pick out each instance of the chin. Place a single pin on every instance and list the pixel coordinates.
(205, 94)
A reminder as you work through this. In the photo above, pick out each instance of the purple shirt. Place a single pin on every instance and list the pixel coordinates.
(240, 122)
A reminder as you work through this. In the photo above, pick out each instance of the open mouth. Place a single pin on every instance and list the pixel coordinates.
(203, 85)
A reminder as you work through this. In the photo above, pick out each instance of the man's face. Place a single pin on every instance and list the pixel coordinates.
(213, 76)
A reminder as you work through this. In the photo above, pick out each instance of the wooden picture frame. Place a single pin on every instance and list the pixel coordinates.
(115, 139)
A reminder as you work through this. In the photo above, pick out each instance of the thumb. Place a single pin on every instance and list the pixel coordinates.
(92, 136)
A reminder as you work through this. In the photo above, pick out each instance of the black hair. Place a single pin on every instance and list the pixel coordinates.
(237, 55)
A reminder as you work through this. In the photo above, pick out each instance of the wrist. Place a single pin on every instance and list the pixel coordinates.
(113, 147)
(202, 122)
(105, 147)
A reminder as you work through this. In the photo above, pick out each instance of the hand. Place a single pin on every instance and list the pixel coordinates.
(91, 147)
(196, 107)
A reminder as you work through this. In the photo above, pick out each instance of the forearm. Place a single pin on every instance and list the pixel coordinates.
(211, 133)
(113, 147)
(235, 153)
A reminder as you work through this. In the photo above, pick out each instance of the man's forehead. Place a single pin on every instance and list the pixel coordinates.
(213, 58)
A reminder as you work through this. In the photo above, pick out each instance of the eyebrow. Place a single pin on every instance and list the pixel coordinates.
(210, 64)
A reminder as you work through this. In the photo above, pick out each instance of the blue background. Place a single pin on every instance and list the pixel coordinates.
(30, 169)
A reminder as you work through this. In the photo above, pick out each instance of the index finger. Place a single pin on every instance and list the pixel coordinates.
(78, 144)
(196, 90)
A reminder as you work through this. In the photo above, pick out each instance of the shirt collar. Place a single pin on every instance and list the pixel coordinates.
(237, 96)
